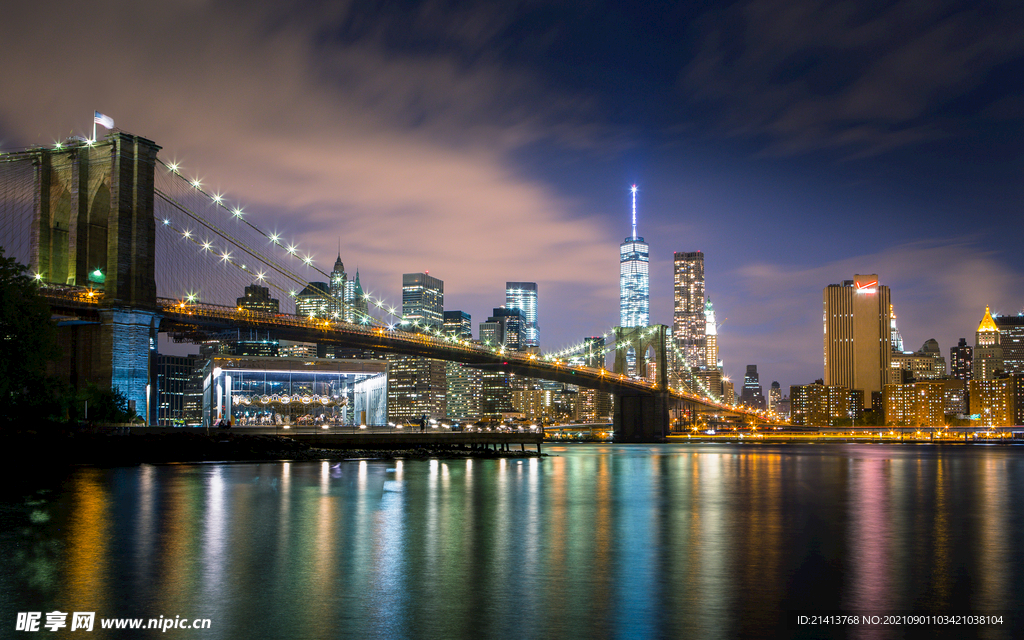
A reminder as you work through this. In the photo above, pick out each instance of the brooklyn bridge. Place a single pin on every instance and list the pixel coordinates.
(124, 247)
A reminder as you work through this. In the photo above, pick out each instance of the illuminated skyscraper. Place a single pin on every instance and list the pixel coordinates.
(689, 323)
(1011, 340)
(463, 403)
(711, 338)
(634, 281)
(961, 361)
(463, 397)
(346, 296)
(728, 391)
(356, 305)
(988, 353)
(337, 289)
(422, 301)
(774, 396)
(258, 298)
(504, 329)
(314, 301)
(858, 335)
(523, 296)
(895, 338)
(417, 387)
(458, 324)
(752, 395)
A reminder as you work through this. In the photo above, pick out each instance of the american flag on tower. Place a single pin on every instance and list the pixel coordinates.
(101, 119)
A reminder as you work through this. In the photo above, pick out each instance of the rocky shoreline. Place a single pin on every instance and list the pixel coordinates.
(105, 449)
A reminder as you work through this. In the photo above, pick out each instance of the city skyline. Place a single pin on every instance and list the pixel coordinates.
(886, 142)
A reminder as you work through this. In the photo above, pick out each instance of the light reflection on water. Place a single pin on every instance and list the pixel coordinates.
(709, 541)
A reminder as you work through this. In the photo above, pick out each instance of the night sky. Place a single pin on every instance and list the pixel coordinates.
(794, 142)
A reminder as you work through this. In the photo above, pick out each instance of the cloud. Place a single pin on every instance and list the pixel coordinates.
(939, 289)
(315, 122)
(811, 74)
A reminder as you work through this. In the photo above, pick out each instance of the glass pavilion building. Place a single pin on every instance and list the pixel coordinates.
(289, 392)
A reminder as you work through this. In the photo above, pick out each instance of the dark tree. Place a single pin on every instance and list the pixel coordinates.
(28, 340)
(108, 406)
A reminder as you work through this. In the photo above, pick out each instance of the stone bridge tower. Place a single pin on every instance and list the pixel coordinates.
(643, 417)
(93, 226)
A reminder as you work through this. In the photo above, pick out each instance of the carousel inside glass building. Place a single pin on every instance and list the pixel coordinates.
(287, 392)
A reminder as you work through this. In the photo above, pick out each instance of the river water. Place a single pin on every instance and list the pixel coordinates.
(592, 541)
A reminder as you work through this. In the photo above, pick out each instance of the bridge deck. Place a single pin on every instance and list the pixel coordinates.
(199, 317)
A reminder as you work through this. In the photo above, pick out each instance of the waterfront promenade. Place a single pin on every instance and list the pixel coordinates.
(353, 437)
(888, 434)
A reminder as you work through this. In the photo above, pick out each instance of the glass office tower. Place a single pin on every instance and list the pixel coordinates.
(523, 296)
(634, 281)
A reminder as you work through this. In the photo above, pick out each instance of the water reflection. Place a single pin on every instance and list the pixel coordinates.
(88, 536)
(705, 541)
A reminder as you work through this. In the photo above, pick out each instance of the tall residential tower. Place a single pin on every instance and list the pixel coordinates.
(689, 322)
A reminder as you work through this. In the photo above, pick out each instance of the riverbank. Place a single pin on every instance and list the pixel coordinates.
(71, 447)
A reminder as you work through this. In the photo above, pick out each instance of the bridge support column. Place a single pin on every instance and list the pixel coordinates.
(129, 337)
(641, 418)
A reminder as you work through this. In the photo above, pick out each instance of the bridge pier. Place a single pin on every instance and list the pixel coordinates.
(641, 418)
(128, 339)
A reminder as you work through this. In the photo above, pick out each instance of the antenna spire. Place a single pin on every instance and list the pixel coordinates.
(634, 211)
